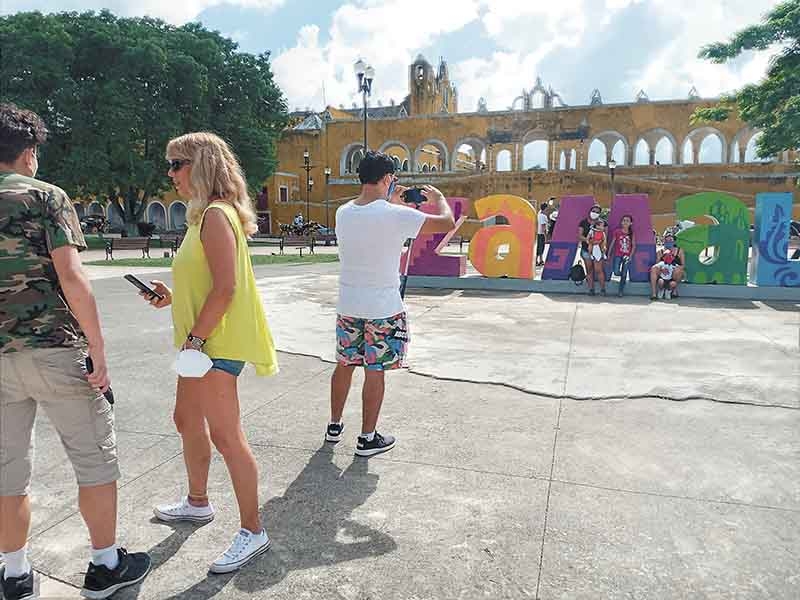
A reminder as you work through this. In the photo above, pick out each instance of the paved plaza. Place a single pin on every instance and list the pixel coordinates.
(549, 446)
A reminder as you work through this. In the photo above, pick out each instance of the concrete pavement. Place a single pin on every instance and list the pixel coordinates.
(555, 464)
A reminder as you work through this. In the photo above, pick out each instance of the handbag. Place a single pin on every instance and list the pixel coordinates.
(577, 274)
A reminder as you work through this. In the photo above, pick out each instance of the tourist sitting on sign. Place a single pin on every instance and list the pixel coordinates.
(666, 271)
(298, 220)
(622, 248)
(679, 260)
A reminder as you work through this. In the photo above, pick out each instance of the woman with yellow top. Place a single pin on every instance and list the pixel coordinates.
(216, 309)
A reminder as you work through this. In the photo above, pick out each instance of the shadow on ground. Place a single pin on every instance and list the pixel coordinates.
(307, 529)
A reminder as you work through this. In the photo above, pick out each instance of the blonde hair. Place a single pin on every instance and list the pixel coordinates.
(216, 175)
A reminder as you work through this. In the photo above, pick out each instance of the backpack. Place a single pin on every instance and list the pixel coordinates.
(577, 274)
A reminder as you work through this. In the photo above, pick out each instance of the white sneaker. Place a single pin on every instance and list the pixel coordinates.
(662, 293)
(245, 547)
(668, 294)
(183, 511)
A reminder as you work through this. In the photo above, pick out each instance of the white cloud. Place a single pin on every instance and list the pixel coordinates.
(176, 12)
(386, 33)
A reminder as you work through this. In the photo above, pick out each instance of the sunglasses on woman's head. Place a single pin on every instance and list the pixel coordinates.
(177, 163)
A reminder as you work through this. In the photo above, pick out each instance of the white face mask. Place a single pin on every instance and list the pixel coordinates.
(594, 216)
(192, 363)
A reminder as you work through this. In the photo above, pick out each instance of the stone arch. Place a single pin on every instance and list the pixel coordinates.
(609, 138)
(444, 155)
(478, 149)
(505, 156)
(750, 154)
(573, 156)
(698, 136)
(665, 151)
(562, 161)
(346, 158)
(739, 144)
(641, 153)
(434, 169)
(406, 166)
(535, 150)
(157, 214)
(598, 153)
(391, 147)
(425, 168)
(653, 137)
(177, 214)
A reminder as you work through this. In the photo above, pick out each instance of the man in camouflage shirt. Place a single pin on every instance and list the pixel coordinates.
(48, 323)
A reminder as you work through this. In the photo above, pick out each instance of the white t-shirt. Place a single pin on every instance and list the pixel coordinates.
(370, 240)
(542, 222)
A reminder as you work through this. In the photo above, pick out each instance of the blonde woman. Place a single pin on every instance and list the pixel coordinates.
(216, 309)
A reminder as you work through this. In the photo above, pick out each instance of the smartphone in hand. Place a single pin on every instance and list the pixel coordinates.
(413, 196)
(144, 288)
(109, 395)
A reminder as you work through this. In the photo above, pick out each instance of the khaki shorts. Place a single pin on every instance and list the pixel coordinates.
(55, 379)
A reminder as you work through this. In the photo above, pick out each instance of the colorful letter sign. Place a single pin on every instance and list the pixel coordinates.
(518, 235)
(638, 207)
(771, 242)
(729, 236)
(563, 246)
(425, 257)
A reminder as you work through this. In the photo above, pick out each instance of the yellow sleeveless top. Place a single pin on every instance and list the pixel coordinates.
(242, 334)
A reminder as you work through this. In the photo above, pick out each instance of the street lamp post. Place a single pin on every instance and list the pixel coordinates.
(307, 166)
(365, 75)
(308, 195)
(327, 199)
(612, 167)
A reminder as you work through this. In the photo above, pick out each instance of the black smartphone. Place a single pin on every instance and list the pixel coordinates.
(146, 289)
(413, 196)
(109, 395)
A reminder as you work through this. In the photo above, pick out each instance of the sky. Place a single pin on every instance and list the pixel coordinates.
(495, 48)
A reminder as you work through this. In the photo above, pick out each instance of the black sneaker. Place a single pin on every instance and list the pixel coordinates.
(102, 582)
(379, 444)
(17, 588)
(334, 432)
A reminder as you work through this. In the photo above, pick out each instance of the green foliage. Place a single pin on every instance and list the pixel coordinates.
(772, 105)
(113, 91)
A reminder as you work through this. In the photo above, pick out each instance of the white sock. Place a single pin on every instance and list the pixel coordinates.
(368, 436)
(335, 423)
(106, 556)
(197, 510)
(17, 564)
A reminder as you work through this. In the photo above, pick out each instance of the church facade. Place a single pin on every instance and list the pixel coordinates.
(537, 148)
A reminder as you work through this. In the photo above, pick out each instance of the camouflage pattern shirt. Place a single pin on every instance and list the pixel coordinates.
(35, 219)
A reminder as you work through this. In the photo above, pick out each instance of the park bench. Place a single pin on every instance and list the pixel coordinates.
(172, 241)
(287, 241)
(327, 238)
(128, 243)
(300, 242)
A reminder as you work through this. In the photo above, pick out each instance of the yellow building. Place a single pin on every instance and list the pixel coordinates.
(538, 148)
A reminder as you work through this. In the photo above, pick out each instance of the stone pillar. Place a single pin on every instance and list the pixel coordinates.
(742, 152)
(695, 155)
(609, 154)
(516, 163)
(652, 153)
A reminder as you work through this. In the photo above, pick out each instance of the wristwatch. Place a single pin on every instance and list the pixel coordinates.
(195, 342)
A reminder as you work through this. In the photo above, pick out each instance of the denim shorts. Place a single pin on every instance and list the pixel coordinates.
(233, 367)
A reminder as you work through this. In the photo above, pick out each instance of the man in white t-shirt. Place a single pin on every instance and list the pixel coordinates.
(541, 234)
(372, 326)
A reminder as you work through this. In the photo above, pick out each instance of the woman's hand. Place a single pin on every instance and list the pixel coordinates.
(159, 288)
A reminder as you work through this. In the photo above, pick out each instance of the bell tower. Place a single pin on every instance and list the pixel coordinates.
(430, 91)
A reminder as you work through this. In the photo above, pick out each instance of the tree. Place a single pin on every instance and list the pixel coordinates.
(113, 91)
(773, 105)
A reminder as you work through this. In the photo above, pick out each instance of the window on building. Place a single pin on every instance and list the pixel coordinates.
(283, 194)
